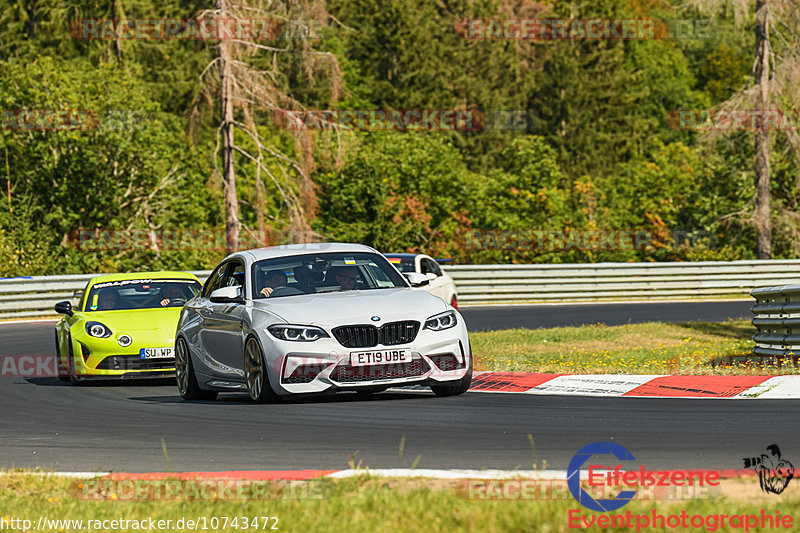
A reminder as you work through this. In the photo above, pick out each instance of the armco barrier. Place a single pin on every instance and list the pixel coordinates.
(777, 318)
(486, 284)
(618, 281)
(33, 296)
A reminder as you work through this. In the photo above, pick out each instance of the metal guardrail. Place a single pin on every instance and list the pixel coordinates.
(484, 284)
(33, 296)
(618, 281)
(777, 318)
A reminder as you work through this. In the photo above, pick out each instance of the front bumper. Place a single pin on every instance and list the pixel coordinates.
(96, 360)
(324, 365)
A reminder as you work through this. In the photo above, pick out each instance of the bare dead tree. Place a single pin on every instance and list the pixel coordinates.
(774, 84)
(247, 79)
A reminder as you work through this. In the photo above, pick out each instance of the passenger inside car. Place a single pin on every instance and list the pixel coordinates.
(306, 279)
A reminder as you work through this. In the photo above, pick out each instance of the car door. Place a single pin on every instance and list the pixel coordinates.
(224, 324)
(205, 334)
(438, 284)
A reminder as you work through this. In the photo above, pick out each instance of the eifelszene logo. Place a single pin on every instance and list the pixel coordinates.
(774, 472)
(614, 476)
(574, 476)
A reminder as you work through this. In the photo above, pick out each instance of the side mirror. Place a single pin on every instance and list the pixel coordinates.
(227, 295)
(431, 276)
(64, 308)
(417, 280)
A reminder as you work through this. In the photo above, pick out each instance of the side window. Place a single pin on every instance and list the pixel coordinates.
(234, 276)
(429, 266)
(213, 281)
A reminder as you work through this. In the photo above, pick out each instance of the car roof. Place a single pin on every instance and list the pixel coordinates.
(164, 274)
(403, 255)
(287, 250)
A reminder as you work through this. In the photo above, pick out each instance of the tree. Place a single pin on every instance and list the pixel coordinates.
(778, 20)
(249, 78)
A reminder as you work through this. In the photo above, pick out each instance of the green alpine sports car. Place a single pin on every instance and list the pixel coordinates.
(123, 327)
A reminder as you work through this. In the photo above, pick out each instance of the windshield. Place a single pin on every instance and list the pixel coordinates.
(140, 294)
(403, 264)
(324, 272)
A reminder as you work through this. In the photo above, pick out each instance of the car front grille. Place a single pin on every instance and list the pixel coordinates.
(346, 373)
(367, 335)
(446, 362)
(135, 362)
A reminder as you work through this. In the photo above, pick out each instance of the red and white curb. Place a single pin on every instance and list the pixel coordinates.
(639, 386)
(304, 475)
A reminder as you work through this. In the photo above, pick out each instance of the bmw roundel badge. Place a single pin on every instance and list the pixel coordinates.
(376, 319)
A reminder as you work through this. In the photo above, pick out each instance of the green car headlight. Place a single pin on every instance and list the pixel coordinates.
(97, 329)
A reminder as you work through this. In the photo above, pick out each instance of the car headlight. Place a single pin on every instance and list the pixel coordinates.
(286, 332)
(442, 321)
(96, 329)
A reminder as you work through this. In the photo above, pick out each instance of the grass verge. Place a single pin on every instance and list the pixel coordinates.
(356, 504)
(649, 348)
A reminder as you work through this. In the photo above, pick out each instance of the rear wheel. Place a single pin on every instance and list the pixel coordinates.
(184, 374)
(255, 373)
(458, 387)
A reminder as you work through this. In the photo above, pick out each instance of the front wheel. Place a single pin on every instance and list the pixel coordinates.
(459, 387)
(184, 374)
(63, 373)
(255, 373)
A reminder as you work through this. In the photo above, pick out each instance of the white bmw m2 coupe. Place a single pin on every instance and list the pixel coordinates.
(313, 318)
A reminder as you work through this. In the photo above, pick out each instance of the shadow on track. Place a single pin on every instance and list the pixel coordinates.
(244, 399)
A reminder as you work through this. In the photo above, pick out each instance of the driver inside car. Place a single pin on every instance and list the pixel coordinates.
(274, 279)
(172, 295)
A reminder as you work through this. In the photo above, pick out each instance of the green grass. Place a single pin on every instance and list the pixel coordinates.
(358, 505)
(650, 348)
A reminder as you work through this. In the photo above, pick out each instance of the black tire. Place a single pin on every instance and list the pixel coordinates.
(62, 371)
(459, 387)
(185, 377)
(71, 374)
(255, 373)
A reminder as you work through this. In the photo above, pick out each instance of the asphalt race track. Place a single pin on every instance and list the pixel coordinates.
(487, 318)
(121, 427)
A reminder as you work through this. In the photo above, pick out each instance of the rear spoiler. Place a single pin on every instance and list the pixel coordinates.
(443, 261)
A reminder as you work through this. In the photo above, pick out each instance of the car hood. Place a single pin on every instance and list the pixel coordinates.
(137, 319)
(354, 307)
